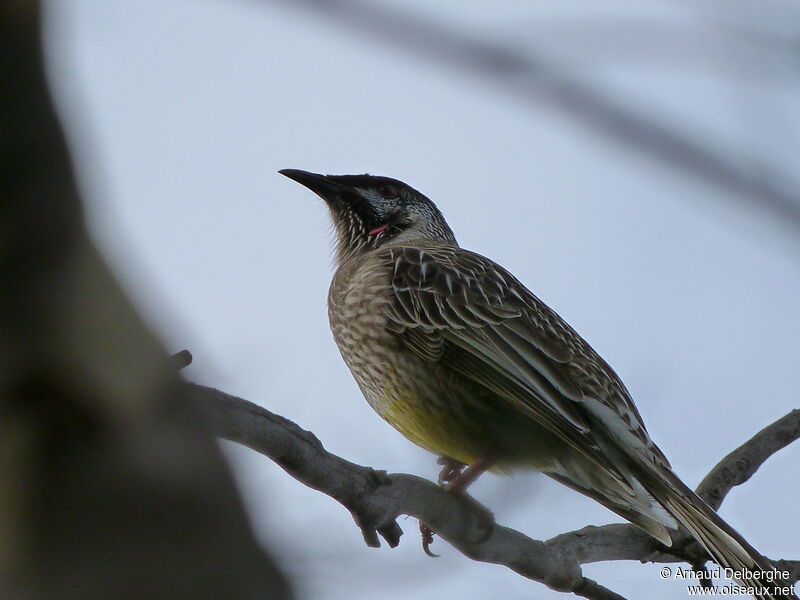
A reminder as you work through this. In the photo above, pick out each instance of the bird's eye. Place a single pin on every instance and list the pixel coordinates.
(388, 191)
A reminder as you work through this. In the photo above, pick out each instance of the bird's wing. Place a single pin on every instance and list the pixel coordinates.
(467, 312)
(464, 310)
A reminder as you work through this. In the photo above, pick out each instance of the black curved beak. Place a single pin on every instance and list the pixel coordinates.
(321, 185)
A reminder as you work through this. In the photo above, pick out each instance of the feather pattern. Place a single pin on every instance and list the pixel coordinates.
(467, 301)
(461, 358)
(470, 315)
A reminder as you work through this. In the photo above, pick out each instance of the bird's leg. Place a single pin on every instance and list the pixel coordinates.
(455, 477)
(467, 477)
(451, 469)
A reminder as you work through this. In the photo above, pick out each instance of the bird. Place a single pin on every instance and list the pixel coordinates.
(462, 359)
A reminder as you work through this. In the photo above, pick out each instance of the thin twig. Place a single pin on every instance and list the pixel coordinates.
(741, 464)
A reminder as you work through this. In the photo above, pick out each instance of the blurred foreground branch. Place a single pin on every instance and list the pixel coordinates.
(111, 487)
(536, 80)
(376, 499)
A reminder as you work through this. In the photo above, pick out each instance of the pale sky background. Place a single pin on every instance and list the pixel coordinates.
(180, 113)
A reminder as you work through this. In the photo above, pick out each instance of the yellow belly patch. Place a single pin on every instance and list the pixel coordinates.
(427, 425)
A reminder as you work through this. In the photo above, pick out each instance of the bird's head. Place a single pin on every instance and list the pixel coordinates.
(370, 211)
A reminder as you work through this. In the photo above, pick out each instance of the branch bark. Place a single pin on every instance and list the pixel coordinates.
(741, 464)
(376, 499)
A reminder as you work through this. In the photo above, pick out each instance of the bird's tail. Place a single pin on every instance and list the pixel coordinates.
(726, 547)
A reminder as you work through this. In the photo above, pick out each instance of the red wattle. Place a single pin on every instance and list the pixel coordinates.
(379, 230)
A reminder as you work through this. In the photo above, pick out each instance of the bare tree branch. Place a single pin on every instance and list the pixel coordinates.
(741, 464)
(534, 79)
(376, 499)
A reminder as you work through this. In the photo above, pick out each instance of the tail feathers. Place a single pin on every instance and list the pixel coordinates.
(645, 522)
(721, 541)
(636, 515)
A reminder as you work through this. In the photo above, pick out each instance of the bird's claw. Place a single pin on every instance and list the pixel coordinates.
(427, 539)
(451, 469)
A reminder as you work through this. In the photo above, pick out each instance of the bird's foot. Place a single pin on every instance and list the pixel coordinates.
(466, 477)
(456, 477)
(427, 539)
(451, 469)
(481, 525)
